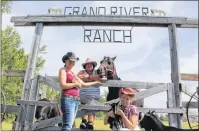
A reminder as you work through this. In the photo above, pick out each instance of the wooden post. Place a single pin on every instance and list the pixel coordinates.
(175, 74)
(29, 71)
(32, 59)
(171, 104)
(31, 109)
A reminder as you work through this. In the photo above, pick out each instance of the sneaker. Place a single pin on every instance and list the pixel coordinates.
(89, 125)
(83, 125)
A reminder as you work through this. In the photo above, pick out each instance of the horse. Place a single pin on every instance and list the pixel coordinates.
(43, 113)
(150, 122)
(47, 112)
(107, 68)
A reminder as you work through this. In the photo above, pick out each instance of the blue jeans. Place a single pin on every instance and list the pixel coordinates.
(69, 108)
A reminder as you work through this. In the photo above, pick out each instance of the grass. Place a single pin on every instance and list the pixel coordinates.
(98, 124)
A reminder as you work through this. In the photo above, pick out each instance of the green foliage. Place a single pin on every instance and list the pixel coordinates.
(101, 114)
(5, 6)
(14, 58)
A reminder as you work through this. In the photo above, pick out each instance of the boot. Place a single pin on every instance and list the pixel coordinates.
(90, 126)
(83, 124)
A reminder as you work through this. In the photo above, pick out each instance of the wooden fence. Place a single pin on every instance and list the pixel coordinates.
(28, 106)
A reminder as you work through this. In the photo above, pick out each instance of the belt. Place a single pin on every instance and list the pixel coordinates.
(73, 97)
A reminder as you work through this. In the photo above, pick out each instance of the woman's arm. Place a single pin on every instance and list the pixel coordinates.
(62, 80)
(88, 83)
(131, 122)
(85, 78)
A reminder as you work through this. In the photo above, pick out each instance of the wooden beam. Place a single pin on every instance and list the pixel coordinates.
(14, 73)
(51, 83)
(10, 108)
(106, 108)
(175, 71)
(38, 103)
(46, 123)
(171, 104)
(189, 77)
(90, 109)
(145, 93)
(191, 104)
(79, 20)
(116, 83)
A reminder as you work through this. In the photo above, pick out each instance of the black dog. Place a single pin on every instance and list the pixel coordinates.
(115, 123)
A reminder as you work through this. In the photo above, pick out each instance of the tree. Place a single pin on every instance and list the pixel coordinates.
(5, 6)
(14, 58)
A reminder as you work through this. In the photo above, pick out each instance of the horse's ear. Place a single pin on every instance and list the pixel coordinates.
(114, 58)
(152, 111)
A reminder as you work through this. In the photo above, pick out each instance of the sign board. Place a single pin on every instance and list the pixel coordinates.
(107, 35)
(189, 77)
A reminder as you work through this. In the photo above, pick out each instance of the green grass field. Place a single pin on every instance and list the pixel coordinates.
(99, 125)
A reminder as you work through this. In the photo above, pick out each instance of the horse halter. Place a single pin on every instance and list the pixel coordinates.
(108, 69)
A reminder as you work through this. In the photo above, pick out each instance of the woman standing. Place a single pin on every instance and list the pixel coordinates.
(70, 85)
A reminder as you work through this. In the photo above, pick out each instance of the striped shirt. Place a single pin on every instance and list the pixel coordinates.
(92, 91)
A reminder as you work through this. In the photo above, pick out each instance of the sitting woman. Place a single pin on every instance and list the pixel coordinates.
(128, 113)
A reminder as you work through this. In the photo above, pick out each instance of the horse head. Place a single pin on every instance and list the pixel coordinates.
(151, 122)
(107, 68)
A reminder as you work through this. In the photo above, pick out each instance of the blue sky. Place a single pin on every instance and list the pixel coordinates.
(147, 58)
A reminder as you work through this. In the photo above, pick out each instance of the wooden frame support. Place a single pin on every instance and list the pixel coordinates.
(175, 71)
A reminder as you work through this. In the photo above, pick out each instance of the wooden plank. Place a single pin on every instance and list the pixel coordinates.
(79, 20)
(32, 109)
(175, 72)
(130, 84)
(189, 77)
(145, 110)
(20, 118)
(10, 108)
(145, 93)
(49, 82)
(119, 83)
(32, 59)
(38, 103)
(46, 123)
(15, 73)
(171, 104)
(191, 104)
(86, 100)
